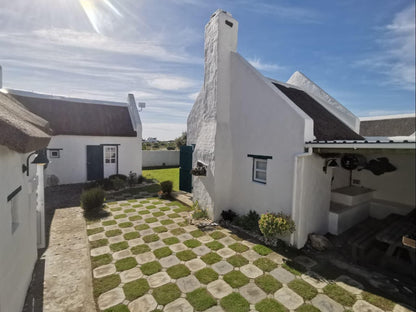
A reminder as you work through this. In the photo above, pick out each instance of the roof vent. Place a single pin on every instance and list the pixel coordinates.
(228, 23)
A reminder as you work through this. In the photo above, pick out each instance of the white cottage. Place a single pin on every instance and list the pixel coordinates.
(21, 206)
(269, 146)
(91, 139)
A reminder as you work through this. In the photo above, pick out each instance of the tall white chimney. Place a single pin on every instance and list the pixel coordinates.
(1, 77)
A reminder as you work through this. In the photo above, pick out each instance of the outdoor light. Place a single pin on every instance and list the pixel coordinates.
(40, 159)
(330, 163)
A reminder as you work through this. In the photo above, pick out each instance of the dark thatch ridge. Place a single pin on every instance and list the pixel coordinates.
(21, 130)
(388, 127)
(76, 118)
(325, 125)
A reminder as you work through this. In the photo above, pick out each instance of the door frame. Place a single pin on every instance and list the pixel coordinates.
(117, 155)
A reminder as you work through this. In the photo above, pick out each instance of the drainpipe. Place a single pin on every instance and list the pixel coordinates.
(295, 211)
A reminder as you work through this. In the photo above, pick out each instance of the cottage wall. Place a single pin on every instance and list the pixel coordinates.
(18, 251)
(71, 167)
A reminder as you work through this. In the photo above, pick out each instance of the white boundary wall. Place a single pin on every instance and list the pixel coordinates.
(160, 158)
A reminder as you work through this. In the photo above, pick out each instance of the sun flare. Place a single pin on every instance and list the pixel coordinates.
(100, 13)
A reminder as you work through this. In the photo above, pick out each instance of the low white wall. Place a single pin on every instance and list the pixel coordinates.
(160, 158)
(71, 167)
(18, 250)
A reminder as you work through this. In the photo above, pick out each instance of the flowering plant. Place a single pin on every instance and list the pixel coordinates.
(273, 224)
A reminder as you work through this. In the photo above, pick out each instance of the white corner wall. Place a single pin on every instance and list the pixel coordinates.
(160, 158)
(71, 167)
(18, 250)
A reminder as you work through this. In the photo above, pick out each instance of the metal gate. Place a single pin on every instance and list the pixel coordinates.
(185, 163)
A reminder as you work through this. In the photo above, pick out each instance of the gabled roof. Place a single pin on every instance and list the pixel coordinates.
(21, 130)
(388, 126)
(325, 125)
(74, 117)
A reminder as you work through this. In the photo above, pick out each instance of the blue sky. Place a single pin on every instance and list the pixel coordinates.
(360, 52)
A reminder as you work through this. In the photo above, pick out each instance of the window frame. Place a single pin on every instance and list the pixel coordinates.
(256, 169)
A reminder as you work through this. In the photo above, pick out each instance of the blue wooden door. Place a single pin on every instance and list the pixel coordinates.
(185, 163)
(95, 162)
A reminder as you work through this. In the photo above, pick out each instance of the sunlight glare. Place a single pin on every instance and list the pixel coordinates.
(98, 11)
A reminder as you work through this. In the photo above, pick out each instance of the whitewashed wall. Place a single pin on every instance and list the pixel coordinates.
(18, 251)
(71, 167)
(160, 158)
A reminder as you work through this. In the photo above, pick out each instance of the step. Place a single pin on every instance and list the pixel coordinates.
(342, 217)
(351, 195)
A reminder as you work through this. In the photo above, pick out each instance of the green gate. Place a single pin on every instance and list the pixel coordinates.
(185, 163)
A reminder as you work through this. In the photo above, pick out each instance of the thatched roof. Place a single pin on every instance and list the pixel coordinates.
(68, 117)
(325, 125)
(388, 127)
(21, 130)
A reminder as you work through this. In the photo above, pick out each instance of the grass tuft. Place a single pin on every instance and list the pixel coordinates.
(265, 264)
(206, 276)
(104, 284)
(95, 231)
(113, 233)
(214, 245)
(141, 227)
(217, 235)
(135, 289)
(139, 249)
(109, 222)
(178, 271)
(166, 293)
(151, 268)
(192, 243)
(101, 260)
(177, 231)
(211, 258)
(99, 243)
(378, 301)
(339, 294)
(294, 267)
(150, 238)
(237, 261)
(303, 289)
(197, 233)
(262, 250)
(131, 235)
(150, 220)
(135, 218)
(270, 305)
(186, 255)
(166, 222)
(119, 246)
(238, 247)
(162, 252)
(268, 283)
(308, 308)
(120, 216)
(236, 279)
(160, 229)
(125, 264)
(118, 308)
(171, 240)
(200, 299)
(235, 303)
(125, 224)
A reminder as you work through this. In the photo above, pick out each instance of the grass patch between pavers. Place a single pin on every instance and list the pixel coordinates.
(235, 303)
(192, 243)
(236, 279)
(144, 201)
(129, 210)
(174, 215)
(206, 276)
(294, 267)
(303, 289)
(262, 250)
(124, 204)
(99, 243)
(131, 235)
(135, 289)
(214, 245)
(101, 260)
(104, 284)
(132, 200)
(150, 238)
(141, 227)
(177, 231)
(265, 264)
(120, 216)
(378, 301)
(150, 207)
(151, 268)
(166, 293)
(150, 220)
(164, 208)
(166, 222)
(270, 305)
(135, 218)
(125, 264)
(95, 231)
(119, 246)
(112, 233)
(137, 206)
(158, 214)
(162, 252)
(125, 224)
(200, 299)
(186, 255)
(197, 233)
(108, 222)
(116, 209)
(308, 308)
(139, 249)
(236, 237)
(143, 212)
(118, 308)
(171, 240)
(217, 235)
(178, 271)
(339, 294)
(211, 258)
(268, 283)
(160, 229)
(238, 247)
(237, 261)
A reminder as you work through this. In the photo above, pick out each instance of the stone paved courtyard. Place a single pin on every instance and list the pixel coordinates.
(145, 257)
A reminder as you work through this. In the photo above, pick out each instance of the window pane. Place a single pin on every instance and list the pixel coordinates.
(261, 175)
(107, 161)
(261, 164)
(113, 161)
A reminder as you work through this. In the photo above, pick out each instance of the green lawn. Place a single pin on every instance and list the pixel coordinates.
(171, 174)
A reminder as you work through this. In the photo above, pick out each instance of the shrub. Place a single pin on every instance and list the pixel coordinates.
(170, 148)
(106, 184)
(140, 179)
(166, 187)
(118, 183)
(249, 222)
(199, 213)
(120, 176)
(228, 215)
(274, 224)
(132, 178)
(92, 199)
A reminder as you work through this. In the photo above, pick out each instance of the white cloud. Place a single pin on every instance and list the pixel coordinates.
(171, 83)
(193, 96)
(268, 67)
(163, 131)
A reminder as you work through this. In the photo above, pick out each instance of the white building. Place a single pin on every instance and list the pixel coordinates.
(91, 139)
(268, 144)
(21, 226)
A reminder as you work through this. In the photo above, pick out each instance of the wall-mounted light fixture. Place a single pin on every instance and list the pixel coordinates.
(330, 163)
(141, 105)
(40, 159)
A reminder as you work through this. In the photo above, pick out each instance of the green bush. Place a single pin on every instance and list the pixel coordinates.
(199, 213)
(118, 183)
(120, 176)
(249, 222)
(274, 224)
(140, 179)
(166, 187)
(92, 199)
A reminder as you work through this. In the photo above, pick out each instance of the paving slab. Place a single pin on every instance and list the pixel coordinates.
(111, 298)
(130, 275)
(288, 298)
(349, 284)
(227, 241)
(169, 261)
(188, 284)
(326, 304)
(178, 247)
(364, 306)
(251, 255)
(156, 245)
(122, 254)
(158, 279)
(252, 293)
(275, 257)
(179, 305)
(251, 271)
(145, 257)
(104, 270)
(116, 239)
(226, 252)
(201, 250)
(143, 304)
(195, 265)
(282, 275)
(219, 289)
(222, 267)
(100, 251)
(97, 236)
(215, 309)
(135, 242)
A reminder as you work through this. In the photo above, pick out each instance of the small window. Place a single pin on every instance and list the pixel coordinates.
(110, 155)
(260, 170)
(54, 154)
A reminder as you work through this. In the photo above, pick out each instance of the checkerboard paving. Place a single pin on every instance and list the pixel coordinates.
(146, 257)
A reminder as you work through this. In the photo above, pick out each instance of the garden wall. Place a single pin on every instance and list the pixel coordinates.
(160, 158)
